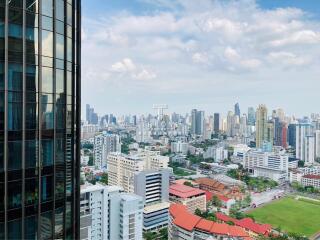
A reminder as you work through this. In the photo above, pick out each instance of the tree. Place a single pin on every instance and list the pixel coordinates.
(104, 178)
(216, 201)
(187, 183)
(300, 163)
(90, 162)
(247, 200)
(198, 212)
(163, 233)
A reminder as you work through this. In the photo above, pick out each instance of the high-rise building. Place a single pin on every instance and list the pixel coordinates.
(216, 122)
(292, 135)
(107, 213)
(39, 119)
(261, 125)
(317, 144)
(309, 152)
(302, 131)
(91, 116)
(251, 116)
(237, 109)
(197, 122)
(104, 144)
(153, 186)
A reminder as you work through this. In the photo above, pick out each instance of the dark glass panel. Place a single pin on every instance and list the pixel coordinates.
(31, 191)
(60, 116)
(47, 80)
(1, 159)
(31, 97)
(14, 97)
(14, 155)
(1, 197)
(30, 226)
(1, 72)
(47, 152)
(15, 50)
(59, 188)
(32, 5)
(1, 230)
(15, 16)
(15, 77)
(15, 3)
(46, 188)
(32, 78)
(14, 116)
(31, 153)
(47, 116)
(47, 8)
(14, 229)
(46, 225)
(58, 223)
(1, 110)
(32, 20)
(47, 43)
(14, 194)
(31, 116)
(15, 30)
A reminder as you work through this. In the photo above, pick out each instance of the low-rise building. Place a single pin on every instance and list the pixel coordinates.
(192, 198)
(184, 225)
(311, 180)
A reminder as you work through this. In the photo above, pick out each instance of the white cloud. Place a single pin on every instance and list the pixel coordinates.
(199, 57)
(288, 59)
(126, 65)
(145, 75)
(302, 37)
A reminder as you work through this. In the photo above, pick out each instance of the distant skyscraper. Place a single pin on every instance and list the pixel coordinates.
(197, 122)
(237, 110)
(40, 119)
(292, 135)
(302, 131)
(91, 116)
(216, 122)
(261, 125)
(317, 144)
(251, 116)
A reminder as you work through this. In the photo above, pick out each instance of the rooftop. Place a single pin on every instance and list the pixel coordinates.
(190, 222)
(184, 191)
(312, 176)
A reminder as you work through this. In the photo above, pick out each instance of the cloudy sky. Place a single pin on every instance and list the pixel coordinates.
(205, 54)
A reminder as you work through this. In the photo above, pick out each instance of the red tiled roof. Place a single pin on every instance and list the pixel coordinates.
(184, 191)
(246, 223)
(312, 176)
(182, 218)
(209, 196)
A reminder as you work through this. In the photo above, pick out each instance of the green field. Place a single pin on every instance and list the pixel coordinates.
(295, 216)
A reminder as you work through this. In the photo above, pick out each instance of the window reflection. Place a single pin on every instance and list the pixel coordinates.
(31, 153)
(30, 228)
(47, 152)
(31, 116)
(47, 43)
(46, 225)
(32, 78)
(47, 8)
(59, 46)
(47, 80)
(15, 76)
(46, 115)
(31, 191)
(14, 155)
(14, 194)
(46, 188)
(59, 81)
(14, 116)
(14, 229)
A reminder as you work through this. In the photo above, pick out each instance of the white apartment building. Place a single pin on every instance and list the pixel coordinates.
(311, 180)
(89, 130)
(107, 213)
(122, 167)
(104, 144)
(302, 131)
(317, 144)
(179, 147)
(218, 153)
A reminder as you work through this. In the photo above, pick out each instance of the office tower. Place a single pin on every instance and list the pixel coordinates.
(104, 144)
(230, 124)
(237, 109)
(39, 119)
(317, 144)
(107, 213)
(197, 122)
(302, 131)
(153, 186)
(280, 133)
(216, 122)
(270, 133)
(251, 116)
(309, 150)
(91, 116)
(261, 125)
(292, 135)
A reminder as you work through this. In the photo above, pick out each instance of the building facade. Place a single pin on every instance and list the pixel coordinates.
(39, 119)
(108, 213)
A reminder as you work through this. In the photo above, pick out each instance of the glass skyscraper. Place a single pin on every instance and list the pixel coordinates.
(39, 119)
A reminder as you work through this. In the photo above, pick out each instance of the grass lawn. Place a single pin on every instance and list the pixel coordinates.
(290, 215)
(180, 172)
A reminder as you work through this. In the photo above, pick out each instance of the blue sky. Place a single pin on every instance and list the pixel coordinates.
(201, 54)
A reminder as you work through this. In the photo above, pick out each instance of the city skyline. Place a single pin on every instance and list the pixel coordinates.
(218, 53)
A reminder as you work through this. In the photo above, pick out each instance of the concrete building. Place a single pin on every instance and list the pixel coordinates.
(309, 150)
(190, 197)
(218, 153)
(122, 167)
(311, 180)
(261, 125)
(89, 131)
(153, 187)
(273, 165)
(302, 131)
(197, 122)
(107, 213)
(104, 144)
(317, 144)
(179, 147)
